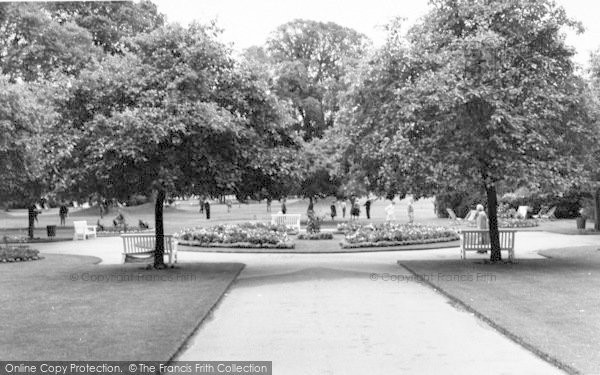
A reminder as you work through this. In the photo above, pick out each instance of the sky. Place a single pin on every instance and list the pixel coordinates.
(249, 22)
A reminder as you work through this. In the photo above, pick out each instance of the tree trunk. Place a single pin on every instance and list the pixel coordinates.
(160, 233)
(31, 213)
(597, 209)
(492, 205)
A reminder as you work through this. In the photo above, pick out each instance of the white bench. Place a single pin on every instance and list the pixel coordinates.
(479, 240)
(289, 220)
(82, 229)
(139, 247)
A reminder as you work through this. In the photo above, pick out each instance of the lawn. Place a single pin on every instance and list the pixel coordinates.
(551, 306)
(68, 308)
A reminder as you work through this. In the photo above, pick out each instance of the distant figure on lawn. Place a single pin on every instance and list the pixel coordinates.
(201, 203)
(368, 208)
(411, 211)
(333, 210)
(228, 205)
(269, 204)
(33, 213)
(283, 207)
(63, 211)
(482, 223)
(355, 211)
(344, 209)
(390, 211)
(207, 209)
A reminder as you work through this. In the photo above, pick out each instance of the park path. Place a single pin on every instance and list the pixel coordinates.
(347, 314)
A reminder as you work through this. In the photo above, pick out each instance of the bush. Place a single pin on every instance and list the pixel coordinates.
(567, 205)
(316, 236)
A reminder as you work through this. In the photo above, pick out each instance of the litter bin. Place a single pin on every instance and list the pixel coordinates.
(51, 230)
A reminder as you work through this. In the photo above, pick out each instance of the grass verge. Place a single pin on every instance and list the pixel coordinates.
(67, 308)
(549, 306)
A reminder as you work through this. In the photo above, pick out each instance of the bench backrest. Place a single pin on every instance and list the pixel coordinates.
(451, 213)
(80, 226)
(472, 215)
(471, 239)
(286, 219)
(143, 243)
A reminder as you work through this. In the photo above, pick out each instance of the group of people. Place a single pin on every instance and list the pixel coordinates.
(354, 208)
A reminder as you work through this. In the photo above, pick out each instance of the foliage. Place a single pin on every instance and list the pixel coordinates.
(315, 236)
(18, 253)
(460, 201)
(311, 59)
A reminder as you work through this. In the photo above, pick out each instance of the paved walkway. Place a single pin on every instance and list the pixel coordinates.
(336, 314)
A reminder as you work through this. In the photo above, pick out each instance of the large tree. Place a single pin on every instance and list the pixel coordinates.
(310, 60)
(174, 115)
(485, 94)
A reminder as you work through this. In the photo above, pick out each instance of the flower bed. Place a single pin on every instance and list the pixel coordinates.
(117, 231)
(517, 223)
(348, 227)
(18, 254)
(315, 236)
(390, 234)
(246, 235)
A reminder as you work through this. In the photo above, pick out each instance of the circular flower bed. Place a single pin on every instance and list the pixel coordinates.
(117, 231)
(315, 236)
(18, 254)
(390, 234)
(348, 227)
(246, 235)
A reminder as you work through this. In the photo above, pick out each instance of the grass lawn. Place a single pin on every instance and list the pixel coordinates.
(551, 306)
(68, 308)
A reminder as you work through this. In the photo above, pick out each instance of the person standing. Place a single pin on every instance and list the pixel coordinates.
(63, 211)
(202, 201)
(411, 211)
(344, 209)
(207, 209)
(269, 204)
(482, 224)
(229, 206)
(368, 208)
(333, 210)
(283, 207)
(390, 211)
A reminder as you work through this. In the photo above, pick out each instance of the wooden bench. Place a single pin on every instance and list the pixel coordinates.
(140, 247)
(83, 230)
(289, 220)
(479, 240)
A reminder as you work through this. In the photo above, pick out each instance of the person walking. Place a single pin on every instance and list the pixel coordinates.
(368, 208)
(63, 211)
(269, 204)
(411, 211)
(283, 207)
(343, 209)
(229, 204)
(333, 210)
(201, 201)
(207, 209)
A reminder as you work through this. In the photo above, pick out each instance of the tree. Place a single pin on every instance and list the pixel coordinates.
(27, 152)
(172, 116)
(311, 59)
(486, 95)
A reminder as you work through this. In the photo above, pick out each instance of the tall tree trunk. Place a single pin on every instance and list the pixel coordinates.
(597, 209)
(492, 205)
(31, 213)
(159, 251)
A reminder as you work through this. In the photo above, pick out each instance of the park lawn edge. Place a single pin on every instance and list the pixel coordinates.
(346, 245)
(457, 302)
(238, 245)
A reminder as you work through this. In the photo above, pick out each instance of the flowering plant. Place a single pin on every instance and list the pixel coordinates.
(240, 235)
(392, 234)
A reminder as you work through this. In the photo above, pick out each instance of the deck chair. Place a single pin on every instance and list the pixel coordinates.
(471, 216)
(542, 211)
(522, 212)
(455, 219)
(549, 215)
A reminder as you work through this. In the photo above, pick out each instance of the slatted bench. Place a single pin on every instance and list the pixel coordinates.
(140, 247)
(289, 220)
(83, 230)
(479, 240)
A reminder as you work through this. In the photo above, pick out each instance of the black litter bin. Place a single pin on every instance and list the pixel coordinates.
(580, 222)
(51, 230)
